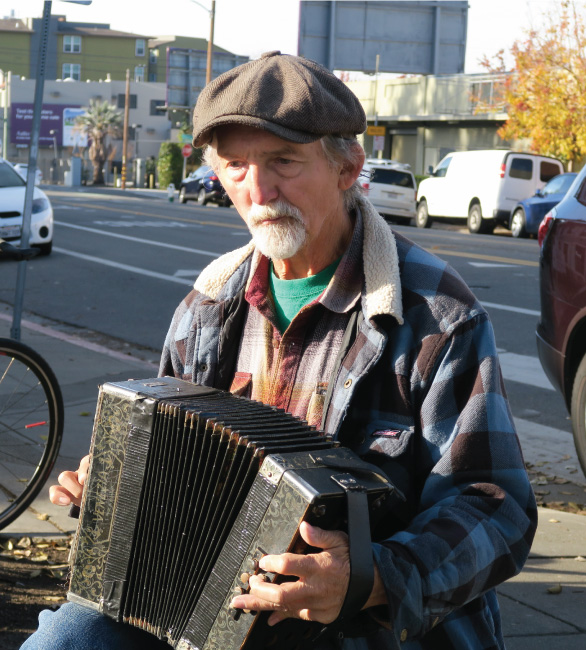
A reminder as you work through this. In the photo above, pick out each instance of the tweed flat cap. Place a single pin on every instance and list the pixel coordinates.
(294, 98)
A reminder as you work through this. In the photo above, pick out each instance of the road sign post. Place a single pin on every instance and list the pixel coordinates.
(186, 151)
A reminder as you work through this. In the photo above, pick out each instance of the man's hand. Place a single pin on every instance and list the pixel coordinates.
(70, 488)
(319, 593)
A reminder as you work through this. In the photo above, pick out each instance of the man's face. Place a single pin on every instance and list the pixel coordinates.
(289, 196)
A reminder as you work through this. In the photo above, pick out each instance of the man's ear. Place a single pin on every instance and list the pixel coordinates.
(350, 170)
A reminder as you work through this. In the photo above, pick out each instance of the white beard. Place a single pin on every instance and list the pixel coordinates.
(281, 240)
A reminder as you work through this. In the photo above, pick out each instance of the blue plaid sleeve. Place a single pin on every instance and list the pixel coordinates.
(477, 513)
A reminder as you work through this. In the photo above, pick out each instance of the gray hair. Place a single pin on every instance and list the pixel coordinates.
(337, 151)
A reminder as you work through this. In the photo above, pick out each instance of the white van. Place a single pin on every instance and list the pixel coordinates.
(482, 186)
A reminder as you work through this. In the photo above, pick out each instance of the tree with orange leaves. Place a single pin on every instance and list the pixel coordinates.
(546, 92)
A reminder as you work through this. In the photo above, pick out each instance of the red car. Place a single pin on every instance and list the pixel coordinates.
(561, 332)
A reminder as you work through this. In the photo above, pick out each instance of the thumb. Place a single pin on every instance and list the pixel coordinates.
(320, 538)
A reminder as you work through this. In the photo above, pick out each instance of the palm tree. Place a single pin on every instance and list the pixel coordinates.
(100, 120)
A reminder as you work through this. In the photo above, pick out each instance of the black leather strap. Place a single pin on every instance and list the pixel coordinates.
(360, 546)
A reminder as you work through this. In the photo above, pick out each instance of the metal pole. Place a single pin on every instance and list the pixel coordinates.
(125, 134)
(211, 43)
(7, 80)
(32, 168)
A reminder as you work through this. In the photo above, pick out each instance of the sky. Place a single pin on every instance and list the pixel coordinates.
(251, 27)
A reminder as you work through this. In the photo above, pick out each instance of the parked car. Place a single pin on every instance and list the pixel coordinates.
(561, 331)
(391, 188)
(528, 214)
(22, 169)
(203, 186)
(482, 186)
(12, 190)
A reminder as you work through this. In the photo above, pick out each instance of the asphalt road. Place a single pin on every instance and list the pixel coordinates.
(121, 264)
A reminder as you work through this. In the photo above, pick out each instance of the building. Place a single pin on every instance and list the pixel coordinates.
(80, 51)
(63, 101)
(423, 118)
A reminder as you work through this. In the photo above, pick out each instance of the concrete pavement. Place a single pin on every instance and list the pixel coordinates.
(543, 608)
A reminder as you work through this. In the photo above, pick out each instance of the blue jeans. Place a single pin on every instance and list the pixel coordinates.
(74, 627)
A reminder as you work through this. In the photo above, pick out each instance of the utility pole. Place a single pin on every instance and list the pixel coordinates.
(125, 134)
(7, 80)
(31, 172)
(211, 42)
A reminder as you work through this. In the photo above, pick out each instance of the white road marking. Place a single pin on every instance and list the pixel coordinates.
(132, 223)
(524, 369)
(518, 310)
(72, 207)
(123, 267)
(139, 239)
(187, 273)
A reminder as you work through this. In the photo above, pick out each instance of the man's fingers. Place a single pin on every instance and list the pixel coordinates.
(83, 469)
(320, 538)
(59, 496)
(70, 481)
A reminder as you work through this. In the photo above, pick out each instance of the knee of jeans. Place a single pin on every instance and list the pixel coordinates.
(71, 627)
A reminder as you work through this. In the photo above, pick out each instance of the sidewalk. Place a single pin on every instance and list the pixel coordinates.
(544, 608)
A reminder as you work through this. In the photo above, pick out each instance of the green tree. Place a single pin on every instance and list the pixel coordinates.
(101, 120)
(546, 93)
(169, 164)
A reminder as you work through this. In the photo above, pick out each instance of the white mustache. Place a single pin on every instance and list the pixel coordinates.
(276, 210)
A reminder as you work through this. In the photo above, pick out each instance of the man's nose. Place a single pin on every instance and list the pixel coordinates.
(261, 185)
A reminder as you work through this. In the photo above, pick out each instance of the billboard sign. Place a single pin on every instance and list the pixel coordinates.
(409, 37)
(54, 117)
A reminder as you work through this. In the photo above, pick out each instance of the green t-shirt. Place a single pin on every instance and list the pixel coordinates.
(291, 295)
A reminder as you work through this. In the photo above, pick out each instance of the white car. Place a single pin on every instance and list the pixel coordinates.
(391, 188)
(22, 169)
(12, 190)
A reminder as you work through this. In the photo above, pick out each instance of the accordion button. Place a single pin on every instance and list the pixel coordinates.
(244, 577)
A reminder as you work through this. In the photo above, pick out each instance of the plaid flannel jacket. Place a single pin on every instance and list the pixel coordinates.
(419, 392)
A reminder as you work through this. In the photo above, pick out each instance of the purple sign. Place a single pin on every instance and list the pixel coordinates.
(21, 119)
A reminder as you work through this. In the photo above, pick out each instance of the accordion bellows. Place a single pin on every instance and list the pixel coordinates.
(188, 488)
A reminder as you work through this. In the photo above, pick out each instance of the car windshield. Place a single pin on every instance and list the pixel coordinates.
(9, 177)
(559, 185)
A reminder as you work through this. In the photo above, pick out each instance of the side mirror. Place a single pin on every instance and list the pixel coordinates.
(539, 192)
(430, 170)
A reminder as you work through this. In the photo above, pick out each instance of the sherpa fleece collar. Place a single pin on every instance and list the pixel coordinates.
(382, 294)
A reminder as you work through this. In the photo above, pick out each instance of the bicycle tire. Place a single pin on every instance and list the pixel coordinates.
(28, 446)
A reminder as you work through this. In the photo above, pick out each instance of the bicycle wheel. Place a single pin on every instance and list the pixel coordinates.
(31, 426)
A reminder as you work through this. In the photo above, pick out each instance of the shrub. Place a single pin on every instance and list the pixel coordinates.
(169, 164)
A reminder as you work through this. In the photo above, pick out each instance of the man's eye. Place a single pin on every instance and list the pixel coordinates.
(284, 161)
(234, 164)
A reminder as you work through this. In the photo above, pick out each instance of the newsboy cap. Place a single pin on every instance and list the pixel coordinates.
(294, 98)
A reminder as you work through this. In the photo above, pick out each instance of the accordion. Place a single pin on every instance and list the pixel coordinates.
(188, 488)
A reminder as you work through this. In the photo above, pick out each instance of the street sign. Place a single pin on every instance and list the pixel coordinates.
(375, 130)
(186, 137)
(186, 151)
(378, 143)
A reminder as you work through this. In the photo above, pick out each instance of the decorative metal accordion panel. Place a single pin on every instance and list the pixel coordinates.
(188, 487)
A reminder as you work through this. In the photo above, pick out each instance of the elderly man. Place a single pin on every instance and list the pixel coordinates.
(329, 315)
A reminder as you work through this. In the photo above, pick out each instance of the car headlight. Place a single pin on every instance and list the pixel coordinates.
(40, 205)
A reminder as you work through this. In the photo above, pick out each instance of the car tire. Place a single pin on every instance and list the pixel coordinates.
(578, 412)
(182, 195)
(201, 197)
(518, 225)
(476, 224)
(45, 249)
(422, 218)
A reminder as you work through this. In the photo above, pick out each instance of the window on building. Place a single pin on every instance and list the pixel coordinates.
(152, 76)
(72, 44)
(71, 71)
(121, 102)
(140, 47)
(154, 57)
(154, 109)
(139, 73)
